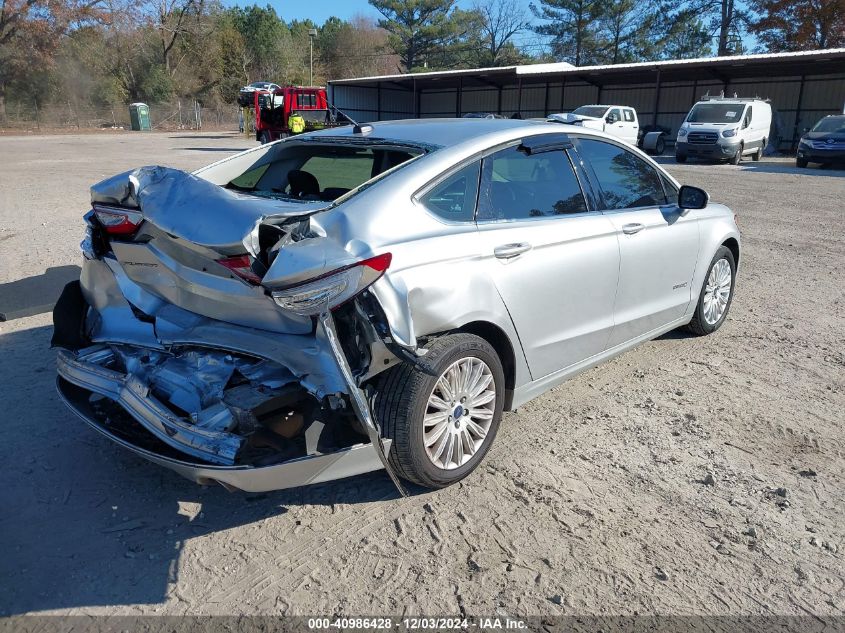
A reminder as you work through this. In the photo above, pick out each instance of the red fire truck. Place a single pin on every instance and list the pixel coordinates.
(273, 109)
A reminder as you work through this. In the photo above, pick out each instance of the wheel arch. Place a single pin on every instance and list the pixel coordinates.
(501, 343)
(733, 246)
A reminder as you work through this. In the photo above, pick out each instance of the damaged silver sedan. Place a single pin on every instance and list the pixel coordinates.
(374, 296)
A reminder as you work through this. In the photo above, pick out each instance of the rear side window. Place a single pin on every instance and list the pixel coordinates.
(626, 180)
(629, 115)
(454, 198)
(747, 120)
(518, 186)
(318, 172)
(340, 171)
(306, 100)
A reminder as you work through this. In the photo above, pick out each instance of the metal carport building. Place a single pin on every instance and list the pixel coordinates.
(802, 87)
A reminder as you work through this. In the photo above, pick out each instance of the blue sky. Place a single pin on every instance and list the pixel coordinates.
(320, 10)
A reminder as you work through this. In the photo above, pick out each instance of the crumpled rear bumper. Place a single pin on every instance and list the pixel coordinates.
(76, 381)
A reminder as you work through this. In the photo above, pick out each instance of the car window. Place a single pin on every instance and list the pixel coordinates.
(747, 120)
(629, 115)
(306, 100)
(626, 180)
(593, 111)
(454, 198)
(615, 116)
(519, 186)
(318, 172)
(341, 171)
(830, 125)
(715, 113)
(670, 189)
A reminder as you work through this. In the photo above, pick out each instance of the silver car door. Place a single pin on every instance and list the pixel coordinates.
(554, 263)
(658, 243)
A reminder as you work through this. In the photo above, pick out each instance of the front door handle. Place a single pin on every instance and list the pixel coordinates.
(631, 229)
(506, 251)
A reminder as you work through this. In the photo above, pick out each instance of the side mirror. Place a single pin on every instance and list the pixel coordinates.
(610, 119)
(692, 197)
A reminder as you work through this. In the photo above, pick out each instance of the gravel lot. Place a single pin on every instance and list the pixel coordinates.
(689, 476)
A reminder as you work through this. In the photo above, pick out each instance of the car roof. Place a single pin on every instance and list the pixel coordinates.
(442, 132)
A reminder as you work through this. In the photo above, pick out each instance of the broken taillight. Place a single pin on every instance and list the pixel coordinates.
(241, 265)
(118, 221)
(328, 291)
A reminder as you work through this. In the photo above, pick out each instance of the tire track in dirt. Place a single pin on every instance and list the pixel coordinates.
(288, 568)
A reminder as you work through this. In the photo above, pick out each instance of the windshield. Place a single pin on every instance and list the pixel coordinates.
(593, 111)
(831, 125)
(716, 113)
(296, 171)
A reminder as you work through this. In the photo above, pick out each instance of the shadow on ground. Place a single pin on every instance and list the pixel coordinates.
(211, 149)
(763, 166)
(36, 294)
(86, 523)
(207, 136)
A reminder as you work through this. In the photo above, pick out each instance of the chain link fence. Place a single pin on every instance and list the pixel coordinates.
(182, 114)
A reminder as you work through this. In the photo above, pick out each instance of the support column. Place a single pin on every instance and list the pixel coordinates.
(795, 130)
(546, 101)
(458, 97)
(378, 101)
(656, 98)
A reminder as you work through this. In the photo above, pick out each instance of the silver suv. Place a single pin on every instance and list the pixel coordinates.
(375, 296)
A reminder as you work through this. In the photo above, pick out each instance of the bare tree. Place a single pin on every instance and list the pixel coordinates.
(173, 20)
(501, 20)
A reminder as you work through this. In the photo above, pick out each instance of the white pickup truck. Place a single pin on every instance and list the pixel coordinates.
(620, 121)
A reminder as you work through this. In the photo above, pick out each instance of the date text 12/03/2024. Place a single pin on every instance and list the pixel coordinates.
(418, 623)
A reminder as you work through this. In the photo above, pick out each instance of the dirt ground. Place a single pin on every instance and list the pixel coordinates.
(690, 476)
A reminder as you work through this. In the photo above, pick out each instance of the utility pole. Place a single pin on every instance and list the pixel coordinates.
(312, 33)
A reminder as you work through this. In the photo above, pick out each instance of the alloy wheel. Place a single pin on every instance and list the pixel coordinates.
(717, 291)
(459, 413)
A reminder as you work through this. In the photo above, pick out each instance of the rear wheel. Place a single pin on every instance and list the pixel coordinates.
(717, 293)
(442, 421)
(264, 137)
(759, 153)
(659, 146)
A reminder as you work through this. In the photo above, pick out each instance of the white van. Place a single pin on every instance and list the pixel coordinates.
(620, 121)
(722, 128)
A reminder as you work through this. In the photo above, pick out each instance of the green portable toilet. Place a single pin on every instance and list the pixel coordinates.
(139, 117)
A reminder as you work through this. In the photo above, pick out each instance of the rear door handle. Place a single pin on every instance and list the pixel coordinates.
(506, 251)
(631, 229)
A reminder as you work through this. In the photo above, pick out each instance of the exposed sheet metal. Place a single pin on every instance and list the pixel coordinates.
(169, 199)
(355, 460)
(359, 399)
(133, 394)
(112, 320)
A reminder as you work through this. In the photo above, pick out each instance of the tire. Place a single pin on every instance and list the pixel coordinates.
(756, 156)
(736, 159)
(659, 147)
(264, 137)
(800, 162)
(702, 323)
(401, 401)
(680, 158)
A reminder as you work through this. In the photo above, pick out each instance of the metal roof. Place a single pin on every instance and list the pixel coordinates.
(817, 62)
